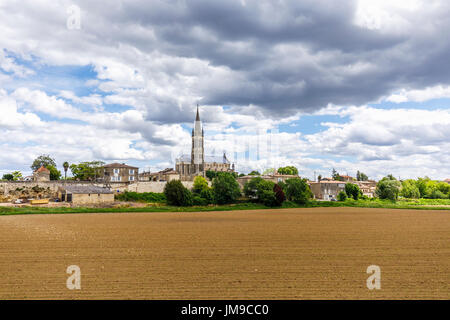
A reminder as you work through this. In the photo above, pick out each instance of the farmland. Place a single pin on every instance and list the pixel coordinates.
(297, 253)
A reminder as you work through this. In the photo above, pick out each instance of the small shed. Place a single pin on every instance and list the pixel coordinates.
(85, 195)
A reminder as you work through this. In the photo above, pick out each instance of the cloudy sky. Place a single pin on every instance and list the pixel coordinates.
(355, 85)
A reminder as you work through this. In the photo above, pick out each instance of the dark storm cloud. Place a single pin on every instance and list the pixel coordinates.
(286, 56)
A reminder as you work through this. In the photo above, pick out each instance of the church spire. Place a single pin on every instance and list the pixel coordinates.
(197, 118)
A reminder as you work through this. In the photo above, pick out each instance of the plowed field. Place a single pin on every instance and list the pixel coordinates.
(318, 253)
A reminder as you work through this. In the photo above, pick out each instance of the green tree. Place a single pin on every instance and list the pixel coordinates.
(8, 176)
(55, 174)
(211, 174)
(297, 190)
(290, 170)
(269, 171)
(254, 173)
(200, 184)
(17, 175)
(352, 191)
(335, 175)
(251, 187)
(225, 188)
(66, 167)
(342, 196)
(409, 189)
(177, 195)
(43, 160)
(388, 188)
(85, 171)
(360, 176)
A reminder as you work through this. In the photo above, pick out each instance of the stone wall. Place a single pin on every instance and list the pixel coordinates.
(12, 190)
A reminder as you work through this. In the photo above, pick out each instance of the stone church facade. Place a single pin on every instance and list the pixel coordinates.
(197, 163)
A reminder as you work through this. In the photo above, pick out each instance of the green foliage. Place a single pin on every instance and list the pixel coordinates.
(297, 190)
(360, 176)
(208, 195)
(55, 174)
(335, 176)
(251, 187)
(199, 201)
(225, 188)
(87, 170)
(352, 191)
(410, 189)
(254, 173)
(388, 188)
(66, 167)
(211, 174)
(437, 194)
(342, 196)
(17, 175)
(291, 170)
(268, 171)
(177, 195)
(200, 184)
(150, 197)
(8, 176)
(43, 160)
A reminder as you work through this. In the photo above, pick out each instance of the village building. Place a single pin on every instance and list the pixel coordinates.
(447, 180)
(167, 174)
(327, 190)
(367, 187)
(120, 172)
(41, 174)
(84, 195)
(197, 163)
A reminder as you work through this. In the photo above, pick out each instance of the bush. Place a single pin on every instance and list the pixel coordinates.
(388, 188)
(251, 187)
(352, 191)
(436, 194)
(199, 201)
(144, 197)
(200, 184)
(342, 196)
(279, 194)
(268, 198)
(225, 188)
(208, 195)
(297, 190)
(177, 194)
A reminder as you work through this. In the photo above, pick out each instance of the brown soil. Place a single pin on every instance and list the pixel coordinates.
(268, 254)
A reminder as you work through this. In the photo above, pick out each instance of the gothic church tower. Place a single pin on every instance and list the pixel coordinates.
(197, 152)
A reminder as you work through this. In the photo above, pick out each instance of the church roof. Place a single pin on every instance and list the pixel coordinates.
(208, 159)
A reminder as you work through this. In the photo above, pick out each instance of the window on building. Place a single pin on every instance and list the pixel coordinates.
(131, 171)
(131, 178)
(116, 171)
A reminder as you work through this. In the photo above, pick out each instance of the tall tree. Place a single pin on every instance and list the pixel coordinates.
(43, 160)
(66, 167)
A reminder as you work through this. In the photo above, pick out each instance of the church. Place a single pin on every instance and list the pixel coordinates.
(197, 163)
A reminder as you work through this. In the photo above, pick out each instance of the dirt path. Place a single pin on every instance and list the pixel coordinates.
(269, 254)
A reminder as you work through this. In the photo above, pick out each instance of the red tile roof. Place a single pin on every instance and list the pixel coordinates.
(43, 169)
(119, 165)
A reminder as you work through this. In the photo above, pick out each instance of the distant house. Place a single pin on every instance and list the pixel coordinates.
(41, 174)
(79, 195)
(326, 190)
(168, 174)
(120, 172)
(447, 180)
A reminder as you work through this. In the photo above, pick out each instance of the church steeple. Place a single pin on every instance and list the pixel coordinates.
(197, 118)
